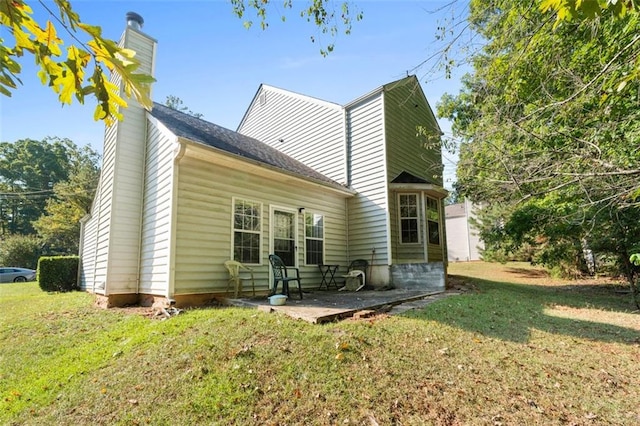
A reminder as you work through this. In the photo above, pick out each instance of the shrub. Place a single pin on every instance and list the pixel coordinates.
(58, 273)
(20, 250)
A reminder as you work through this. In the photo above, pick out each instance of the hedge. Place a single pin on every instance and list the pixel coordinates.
(58, 273)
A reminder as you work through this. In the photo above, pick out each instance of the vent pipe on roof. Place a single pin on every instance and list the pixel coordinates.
(134, 21)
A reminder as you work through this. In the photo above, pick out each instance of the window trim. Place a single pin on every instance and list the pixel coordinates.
(323, 239)
(428, 219)
(417, 218)
(234, 200)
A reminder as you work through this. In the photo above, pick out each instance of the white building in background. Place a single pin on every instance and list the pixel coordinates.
(463, 240)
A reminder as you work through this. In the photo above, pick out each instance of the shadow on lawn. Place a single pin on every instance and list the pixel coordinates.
(510, 311)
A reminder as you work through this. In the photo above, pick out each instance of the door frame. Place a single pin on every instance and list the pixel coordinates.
(296, 236)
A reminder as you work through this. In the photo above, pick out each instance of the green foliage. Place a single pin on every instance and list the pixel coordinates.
(325, 15)
(20, 250)
(59, 226)
(67, 72)
(176, 103)
(30, 170)
(549, 134)
(567, 10)
(58, 273)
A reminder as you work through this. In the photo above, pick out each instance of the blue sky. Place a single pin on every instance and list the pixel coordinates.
(215, 65)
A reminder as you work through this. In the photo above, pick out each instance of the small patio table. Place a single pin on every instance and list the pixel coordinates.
(328, 275)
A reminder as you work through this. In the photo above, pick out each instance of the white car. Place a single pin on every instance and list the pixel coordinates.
(16, 275)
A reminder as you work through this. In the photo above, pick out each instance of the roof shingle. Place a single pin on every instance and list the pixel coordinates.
(201, 131)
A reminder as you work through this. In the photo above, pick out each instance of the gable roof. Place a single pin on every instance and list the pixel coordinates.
(206, 133)
(265, 89)
(408, 80)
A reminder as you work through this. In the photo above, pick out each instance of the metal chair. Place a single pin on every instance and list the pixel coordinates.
(357, 272)
(238, 273)
(281, 273)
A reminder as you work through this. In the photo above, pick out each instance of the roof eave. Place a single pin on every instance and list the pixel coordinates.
(198, 146)
(429, 188)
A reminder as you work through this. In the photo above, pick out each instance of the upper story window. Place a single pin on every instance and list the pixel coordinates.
(314, 238)
(247, 229)
(433, 220)
(408, 208)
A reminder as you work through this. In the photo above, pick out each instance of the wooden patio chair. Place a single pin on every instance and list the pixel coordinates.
(282, 273)
(357, 272)
(237, 274)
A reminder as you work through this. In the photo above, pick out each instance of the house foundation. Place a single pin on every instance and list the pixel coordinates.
(419, 276)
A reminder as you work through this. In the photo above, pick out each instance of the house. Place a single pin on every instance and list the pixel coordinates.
(463, 239)
(312, 181)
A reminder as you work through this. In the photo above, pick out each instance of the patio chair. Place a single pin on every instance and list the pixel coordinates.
(237, 274)
(281, 273)
(356, 273)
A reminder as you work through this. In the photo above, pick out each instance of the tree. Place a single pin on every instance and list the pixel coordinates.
(326, 15)
(550, 125)
(29, 171)
(59, 226)
(176, 103)
(20, 250)
(83, 68)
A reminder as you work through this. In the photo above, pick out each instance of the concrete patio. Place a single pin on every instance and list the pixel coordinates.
(324, 305)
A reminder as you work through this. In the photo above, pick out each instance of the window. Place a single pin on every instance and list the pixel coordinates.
(314, 238)
(433, 220)
(247, 224)
(408, 205)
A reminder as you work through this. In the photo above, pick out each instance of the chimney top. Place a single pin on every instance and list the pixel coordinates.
(134, 20)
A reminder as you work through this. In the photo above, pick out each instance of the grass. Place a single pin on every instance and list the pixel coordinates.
(518, 349)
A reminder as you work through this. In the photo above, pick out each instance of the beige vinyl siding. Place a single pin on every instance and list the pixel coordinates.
(368, 210)
(117, 207)
(405, 109)
(311, 130)
(156, 221)
(101, 210)
(89, 234)
(204, 223)
(145, 48)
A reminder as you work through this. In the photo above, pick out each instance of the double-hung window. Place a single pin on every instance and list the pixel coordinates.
(247, 226)
(314, 238)
(409, 219)
(433, 220)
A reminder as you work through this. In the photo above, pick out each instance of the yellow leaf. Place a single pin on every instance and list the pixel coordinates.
(23, 41)
(66, 84)
(52, 41)
(92, 30)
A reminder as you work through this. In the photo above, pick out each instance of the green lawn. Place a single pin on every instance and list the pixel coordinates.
(527, 350)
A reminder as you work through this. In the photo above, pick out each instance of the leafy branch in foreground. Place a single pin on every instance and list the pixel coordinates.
(326, 15)
(68, 72)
